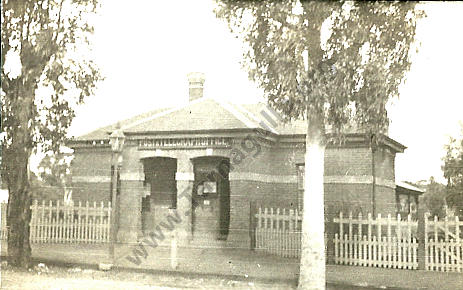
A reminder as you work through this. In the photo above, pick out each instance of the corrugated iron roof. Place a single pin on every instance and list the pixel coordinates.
(202, 114)
(408, 186)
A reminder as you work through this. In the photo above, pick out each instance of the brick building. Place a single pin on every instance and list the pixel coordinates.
(211, 160)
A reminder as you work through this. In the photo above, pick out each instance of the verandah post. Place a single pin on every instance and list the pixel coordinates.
(421, 239)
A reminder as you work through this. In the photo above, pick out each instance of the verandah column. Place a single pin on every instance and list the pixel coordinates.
(184, 178)
(130, 203)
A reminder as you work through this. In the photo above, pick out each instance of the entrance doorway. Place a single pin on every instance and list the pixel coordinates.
(160, 196)
(211, 198)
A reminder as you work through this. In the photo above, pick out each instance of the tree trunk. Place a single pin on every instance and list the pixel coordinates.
(16, 158)
(312, 266)
(19, 211)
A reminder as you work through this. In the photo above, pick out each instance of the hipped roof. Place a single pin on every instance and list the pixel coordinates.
(206, 114)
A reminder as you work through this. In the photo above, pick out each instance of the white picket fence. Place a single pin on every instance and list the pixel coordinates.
(381, 242)
(444, 244)
(55, 222)
(279, 231)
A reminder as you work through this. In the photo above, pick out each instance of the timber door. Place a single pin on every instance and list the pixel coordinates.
(211, 198)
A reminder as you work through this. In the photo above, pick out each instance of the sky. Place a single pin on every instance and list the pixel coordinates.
(146, 49)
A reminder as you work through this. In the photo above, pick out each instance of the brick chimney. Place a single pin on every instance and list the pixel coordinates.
(196, 85)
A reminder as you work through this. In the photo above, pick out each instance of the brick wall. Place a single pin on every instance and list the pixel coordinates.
(384, 164)
(346, 169)
(385, 201)
(91, 191)
(91, 174)
(348, 161)
(130, 211)
(91, 162)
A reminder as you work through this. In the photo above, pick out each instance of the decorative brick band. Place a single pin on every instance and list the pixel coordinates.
(251, 176)
(385, 182)
(185, 176)
(358, 179)
(125, 176)
(248, 176)
(133, 176)
(91, 179)
(342, 179)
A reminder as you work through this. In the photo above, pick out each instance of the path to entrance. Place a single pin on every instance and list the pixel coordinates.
(243, 265)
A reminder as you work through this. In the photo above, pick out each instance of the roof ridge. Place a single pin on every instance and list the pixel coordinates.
(163, 113)
(266, 124)
(236, 113)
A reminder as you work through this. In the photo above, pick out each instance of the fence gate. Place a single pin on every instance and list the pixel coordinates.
(444, 244)
(279, 231)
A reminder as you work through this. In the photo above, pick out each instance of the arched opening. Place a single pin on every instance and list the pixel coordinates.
(211, 198)
(160, 195)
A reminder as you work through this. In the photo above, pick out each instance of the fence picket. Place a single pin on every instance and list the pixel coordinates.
(87, 223)
(56, 222)
(445, 245)
(389, 245)
(458, 246)
(364, 257)
(350, 240)
(409, 242)
(341, 237)
(34, 222)
(66, 222)
(55, 230)
(394, 252)
(385, 242)
(278, 231)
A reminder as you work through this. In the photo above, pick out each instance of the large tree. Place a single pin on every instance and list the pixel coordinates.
(453, 172)
(434, 198)
(45, 73)
(332, 63)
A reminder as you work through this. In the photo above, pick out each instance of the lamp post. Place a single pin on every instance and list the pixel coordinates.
(116, 139)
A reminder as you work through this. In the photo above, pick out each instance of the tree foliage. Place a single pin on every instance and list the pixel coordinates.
(54, 169)
(434, 198)
(358, 54)
(335, 63)
(45, 73)
(453, 172)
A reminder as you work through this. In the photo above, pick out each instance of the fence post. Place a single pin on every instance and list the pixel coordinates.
(252, 224)
(421, 232)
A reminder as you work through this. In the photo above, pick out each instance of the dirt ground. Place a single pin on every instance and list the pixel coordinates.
(45, 277)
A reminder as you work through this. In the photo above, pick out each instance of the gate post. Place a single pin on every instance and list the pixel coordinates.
(421, 239)
(330, 229)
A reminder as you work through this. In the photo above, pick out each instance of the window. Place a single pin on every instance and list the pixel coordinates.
(210, 187)
(403, 204)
